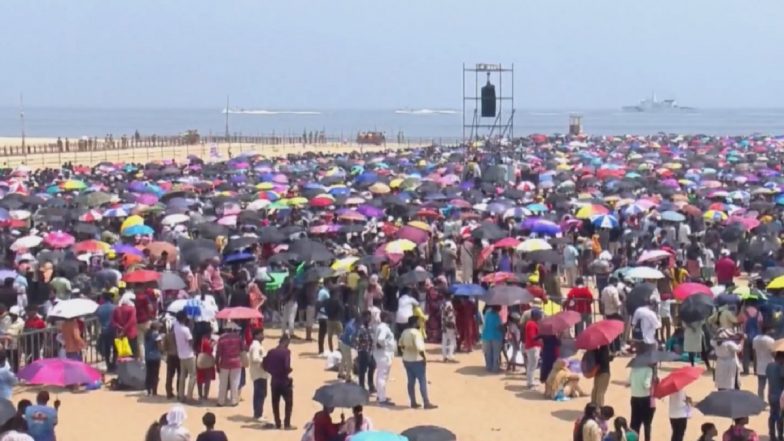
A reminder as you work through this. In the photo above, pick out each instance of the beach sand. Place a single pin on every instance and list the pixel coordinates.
(475, 405)
(148, 154)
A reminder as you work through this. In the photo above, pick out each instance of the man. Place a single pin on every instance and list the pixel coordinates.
(172, 362)
(492, 339)
(448, 329)
(383, 354)
(278, 364)
(41, 419)
(763, 353)
(570, 256)
(257, 373)
(363, 344)
(106, 337)
(412, 347)
(184, 342)
(533, 346)
(726, 269)
(345, 343)
(405, 310)
(289, 300)
(145, 312)
(646, 319)
(774, 373)
(323, 427)
(228, 359)
(580, 299)
(611, 300)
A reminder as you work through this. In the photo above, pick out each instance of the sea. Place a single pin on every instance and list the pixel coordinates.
(415, 124)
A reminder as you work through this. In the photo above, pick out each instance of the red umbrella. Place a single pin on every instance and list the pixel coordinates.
(141, 276)
(413, 234)
(499, 277)
(558, 323)
(238, 313)
(507, 242)
(599, 334)
(684, 290)
(677, 380)
(425, 212)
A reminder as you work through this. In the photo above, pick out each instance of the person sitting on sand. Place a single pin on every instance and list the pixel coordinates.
(562, 383)
(174, 429)
(210, 434)
(588, 427)
(621, 431)
(356, 423)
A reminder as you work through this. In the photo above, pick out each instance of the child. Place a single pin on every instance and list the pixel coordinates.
(152, 358)
(210, 434)
(606, 413)
(709, 432)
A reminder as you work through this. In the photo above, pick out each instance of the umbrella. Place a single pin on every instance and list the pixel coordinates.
(310, 250)
(684, 290)
(696, 308)
(138, 230)
(237, 258)
(639, 296)
(653, 255)
(59, 372)
(413, 277)
(672, 216)
(345, 395)
(507, 295)
(413, 234)
(772, 273)
(317, 273)
(605, 221)
(375, 435)
(270, 235)
(731, 404)
(141, 276)
(533, 245)
(467, 290)
(556, 324)
(170, 281)
(58, 239)
(73, 308)
(488, 231)
(429, 433)
(599, 334)
(652, 357)
(26, 242)
(677, 380)
(238, 313)
(7, 411)
(644, 273)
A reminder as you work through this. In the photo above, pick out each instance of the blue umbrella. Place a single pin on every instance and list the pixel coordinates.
(672, 216)
(138, 230)
(546, 227)
(373, 435)
(367, 178)
(605, 221)
(238, 258)
(467, 290)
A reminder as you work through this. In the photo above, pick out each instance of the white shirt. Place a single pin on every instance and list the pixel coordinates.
(405, 308)
(384, 351)
(665, 308)
(174, 433)
(649, 323)
(184, 341)
(678, 406)
(763, 348)
(611, 300)
(256, 353)
(208, 308)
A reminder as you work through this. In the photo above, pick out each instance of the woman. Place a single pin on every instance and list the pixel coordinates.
(433, 300)
(551, 348)
(641, 382)
(174, 429)
(467, 329)
(358, 422)
(694, 342)
(727, 363)
(621, 431)
(205, 375)
(562, 383)
(257, 300)
(228, 359)
(154, 431)
(124, 321)
(588, 427)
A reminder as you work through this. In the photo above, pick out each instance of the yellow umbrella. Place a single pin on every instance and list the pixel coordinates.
(533, 245)
(395, 183)
(379, 188)
(131, 221)
(265, 186)
(399, 246)
(551, 308)
(421, 225)
(777, 283)
(344, 265)
(299, 200)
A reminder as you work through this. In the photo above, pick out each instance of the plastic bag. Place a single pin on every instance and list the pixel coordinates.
(123, 347)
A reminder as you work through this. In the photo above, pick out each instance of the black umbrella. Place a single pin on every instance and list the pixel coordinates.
(87, 229)
(283, 257)
(731, 404)
(732, 233)
(317, 273)
(170, 281)
(270, 235)
(652, 357)
(639, 296)
(546, 256)
(413, 277)
(772, 272)
(696, 308)
(429, 433)
(195, 256)
(345, 395)
(211, 230)
(240, 243)
(308, 249)
(761, 245)
(7, 411)
(488, 231)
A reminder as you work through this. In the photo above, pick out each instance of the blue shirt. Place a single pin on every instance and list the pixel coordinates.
(323, 296)
(570, 255)
(151, 350)
(505, 264)
(347, 337)
(104, 313)
(492, 327)
(40, 422)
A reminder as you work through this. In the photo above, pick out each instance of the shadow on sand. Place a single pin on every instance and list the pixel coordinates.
(568, 415)
(477, 371)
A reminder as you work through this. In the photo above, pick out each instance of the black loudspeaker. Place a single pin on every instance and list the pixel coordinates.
(488, 100)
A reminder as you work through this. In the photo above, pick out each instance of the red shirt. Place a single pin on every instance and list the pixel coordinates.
(323, 427)
(725, 270)
(124, 321)
(531, 334)
(145, 307)
(35, 322)
(581, 299)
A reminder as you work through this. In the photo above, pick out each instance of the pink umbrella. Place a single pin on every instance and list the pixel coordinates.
(652, 255)
(229, 221)
(238, 313)
(413, 234)
(58, 239)
(59, 372)
(147, 199)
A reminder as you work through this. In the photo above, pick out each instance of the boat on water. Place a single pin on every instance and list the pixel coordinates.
(652, 105)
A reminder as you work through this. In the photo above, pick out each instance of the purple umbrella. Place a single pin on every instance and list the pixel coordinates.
(413, 234)
(371, 211)
(543, 226)
(123, 248)
(280, 178)
(59, 372)
(147, 199)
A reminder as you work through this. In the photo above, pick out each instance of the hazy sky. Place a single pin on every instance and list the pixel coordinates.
(388, 53)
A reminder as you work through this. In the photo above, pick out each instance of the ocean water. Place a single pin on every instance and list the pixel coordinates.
(420, 124)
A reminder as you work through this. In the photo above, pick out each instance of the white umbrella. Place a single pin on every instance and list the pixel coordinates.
(644, 273)
(174, 219)
(177, 306)
(26, 242)
(73, 308)
(258, 204)
(530, 245)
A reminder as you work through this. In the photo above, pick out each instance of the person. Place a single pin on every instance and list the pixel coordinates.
(383, 354)
(335, 311)
(694, 342)
(642, 411)
(570, 257)
(647, 321)
(412, 348)
(73, 342)
(750, 320)
(42, 419)
(621, 431)
(144, 303)
(580, 299)
(613, 307)
(356, 423)
(124, 321)
(774, 373)
(726, 348)
(763, 356)
(363, 344)
(152, 358)
(601, 380)
(405, 309)
(17, 422)
(533, 346)
(174, 430)
(562, 383)
(680, 411)
(726, 269)
(184, 343)
(277, 363)
(492, 338)
(465, 319)
(323, 427)
(228, 360)
(434, 297)
(345, 344)
(708, 432)
(258, 375)
(106, 337)
(588, 427)
(205, 374)
(738, 431)
(322, 297)
(210, 434)
(514, 339)
(172, 361)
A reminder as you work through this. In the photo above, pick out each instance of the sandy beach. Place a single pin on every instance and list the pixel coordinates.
(475, 405)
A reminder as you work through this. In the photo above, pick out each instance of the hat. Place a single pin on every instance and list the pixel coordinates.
(362, 269)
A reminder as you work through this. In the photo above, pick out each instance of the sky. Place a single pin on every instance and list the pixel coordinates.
(356, 54)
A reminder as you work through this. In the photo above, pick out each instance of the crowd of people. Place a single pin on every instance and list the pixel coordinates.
(374, 256)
